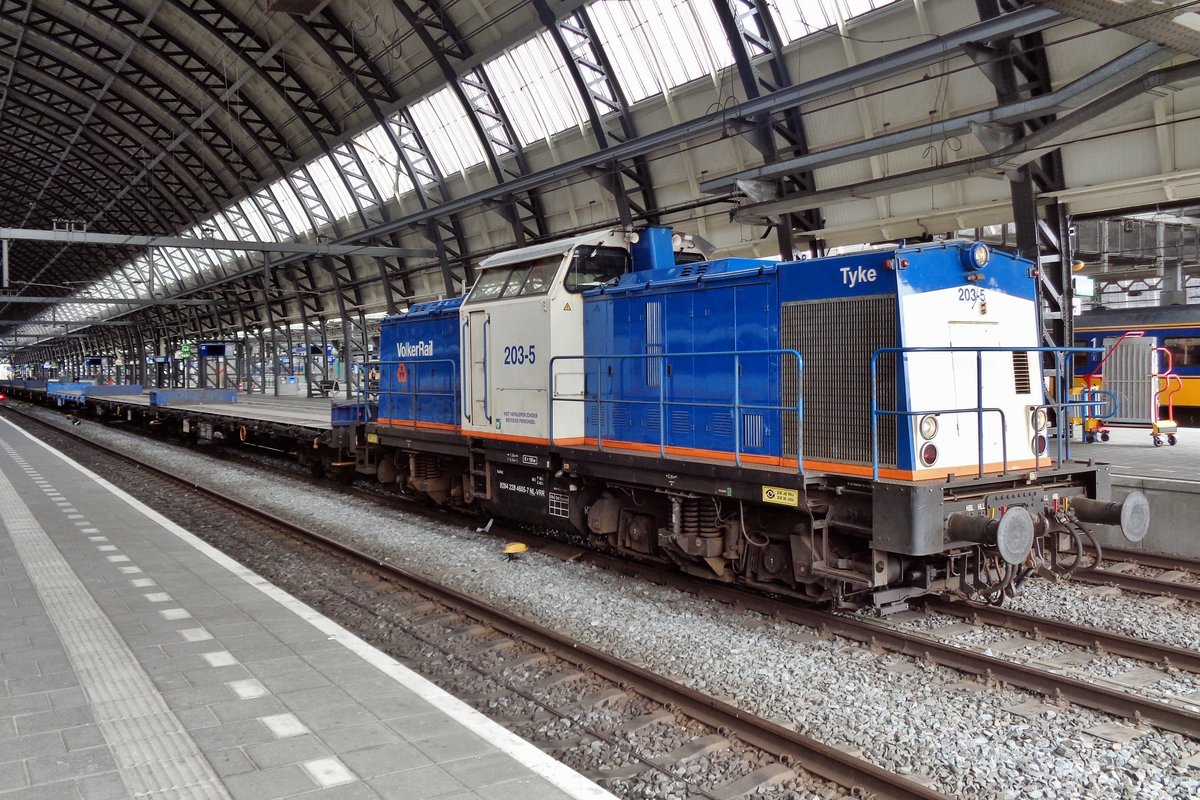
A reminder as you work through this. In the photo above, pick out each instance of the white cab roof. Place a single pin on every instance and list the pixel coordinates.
(558, 247)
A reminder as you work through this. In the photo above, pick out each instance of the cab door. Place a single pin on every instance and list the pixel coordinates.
(478, 407)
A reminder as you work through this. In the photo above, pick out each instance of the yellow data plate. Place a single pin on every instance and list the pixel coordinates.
(780, 496)
(373, 438)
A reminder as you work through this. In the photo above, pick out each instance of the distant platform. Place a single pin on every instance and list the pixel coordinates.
(1170, 478)
(137, 661)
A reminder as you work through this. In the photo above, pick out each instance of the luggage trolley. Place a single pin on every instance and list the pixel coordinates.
(1130, 371)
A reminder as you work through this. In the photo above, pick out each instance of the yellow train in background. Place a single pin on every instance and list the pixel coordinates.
(1176, 328)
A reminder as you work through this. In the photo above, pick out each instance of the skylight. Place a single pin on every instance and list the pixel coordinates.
(536, 90)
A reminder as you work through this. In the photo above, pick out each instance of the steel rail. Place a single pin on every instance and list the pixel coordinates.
(1146, 559)
(1080, 692)
(1163, 655)
(795, 748)
(1136, 583)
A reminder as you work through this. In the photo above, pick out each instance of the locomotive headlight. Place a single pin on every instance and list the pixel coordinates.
(976, 256)
(1039, 419)
(928, 426)
(929, 454)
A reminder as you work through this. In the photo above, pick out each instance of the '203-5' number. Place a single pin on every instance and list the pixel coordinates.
(970, 294)
(520, 354)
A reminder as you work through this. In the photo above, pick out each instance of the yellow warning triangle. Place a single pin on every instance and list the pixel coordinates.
(566, 307)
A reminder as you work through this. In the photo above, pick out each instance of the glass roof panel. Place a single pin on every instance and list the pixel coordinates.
(632, 33)
(798, 18)
(448, 131)
(383, 166)
(333, 191)
(535, 88)
(262, 230)
(293, 207)
(856, 7)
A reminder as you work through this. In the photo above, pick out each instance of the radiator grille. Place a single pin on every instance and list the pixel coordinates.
(1021, 382)
(654, 342)
(753, 430)
(837, 338)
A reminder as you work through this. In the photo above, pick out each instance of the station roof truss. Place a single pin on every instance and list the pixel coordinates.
(198, 168)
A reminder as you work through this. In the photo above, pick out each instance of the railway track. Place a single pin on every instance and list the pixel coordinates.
(1178, 715)
(1178, 577)
(1181, 718)
(459, 630)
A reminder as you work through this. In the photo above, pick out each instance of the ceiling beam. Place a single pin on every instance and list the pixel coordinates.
(64, 323)
(116, 301)
(1110, 76)
(130, 240)
(1017, 23)
(998, 164)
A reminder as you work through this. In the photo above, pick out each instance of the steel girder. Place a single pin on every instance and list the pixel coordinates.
(1018, 22)
(79, 46)
(1026, 148)
(36, 136)
(65, 86)
(630, 183)
(506, 158)
(1108, 77)
(444, 231)
(126, 127)
(201, 72)
(758, 55)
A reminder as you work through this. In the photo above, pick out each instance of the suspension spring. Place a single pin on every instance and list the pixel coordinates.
(691, 516)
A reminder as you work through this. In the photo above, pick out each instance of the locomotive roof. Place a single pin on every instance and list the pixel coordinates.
(733, 268)
(557, 247)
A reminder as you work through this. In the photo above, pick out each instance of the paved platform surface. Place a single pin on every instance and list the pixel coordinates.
(136, 661)
(1131, 452)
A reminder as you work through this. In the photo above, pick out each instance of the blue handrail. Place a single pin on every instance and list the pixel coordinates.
(663, 402)
(414, 393)
(1060, 405)
(487, 322)
(464, 368)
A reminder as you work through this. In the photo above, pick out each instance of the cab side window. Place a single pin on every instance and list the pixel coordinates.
(520, 280)
(592, 267)
(490, 284)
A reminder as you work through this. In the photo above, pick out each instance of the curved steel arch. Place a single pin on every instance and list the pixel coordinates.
(101, 59)
(607, 109)
(758, 55)
(147, 35)
(96, 142)
(127, 119)
(438, 32)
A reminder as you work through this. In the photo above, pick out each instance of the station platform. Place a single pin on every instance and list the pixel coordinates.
(1169, 476)
(137, 661)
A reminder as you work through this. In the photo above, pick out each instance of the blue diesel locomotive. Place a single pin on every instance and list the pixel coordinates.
(859, 429)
